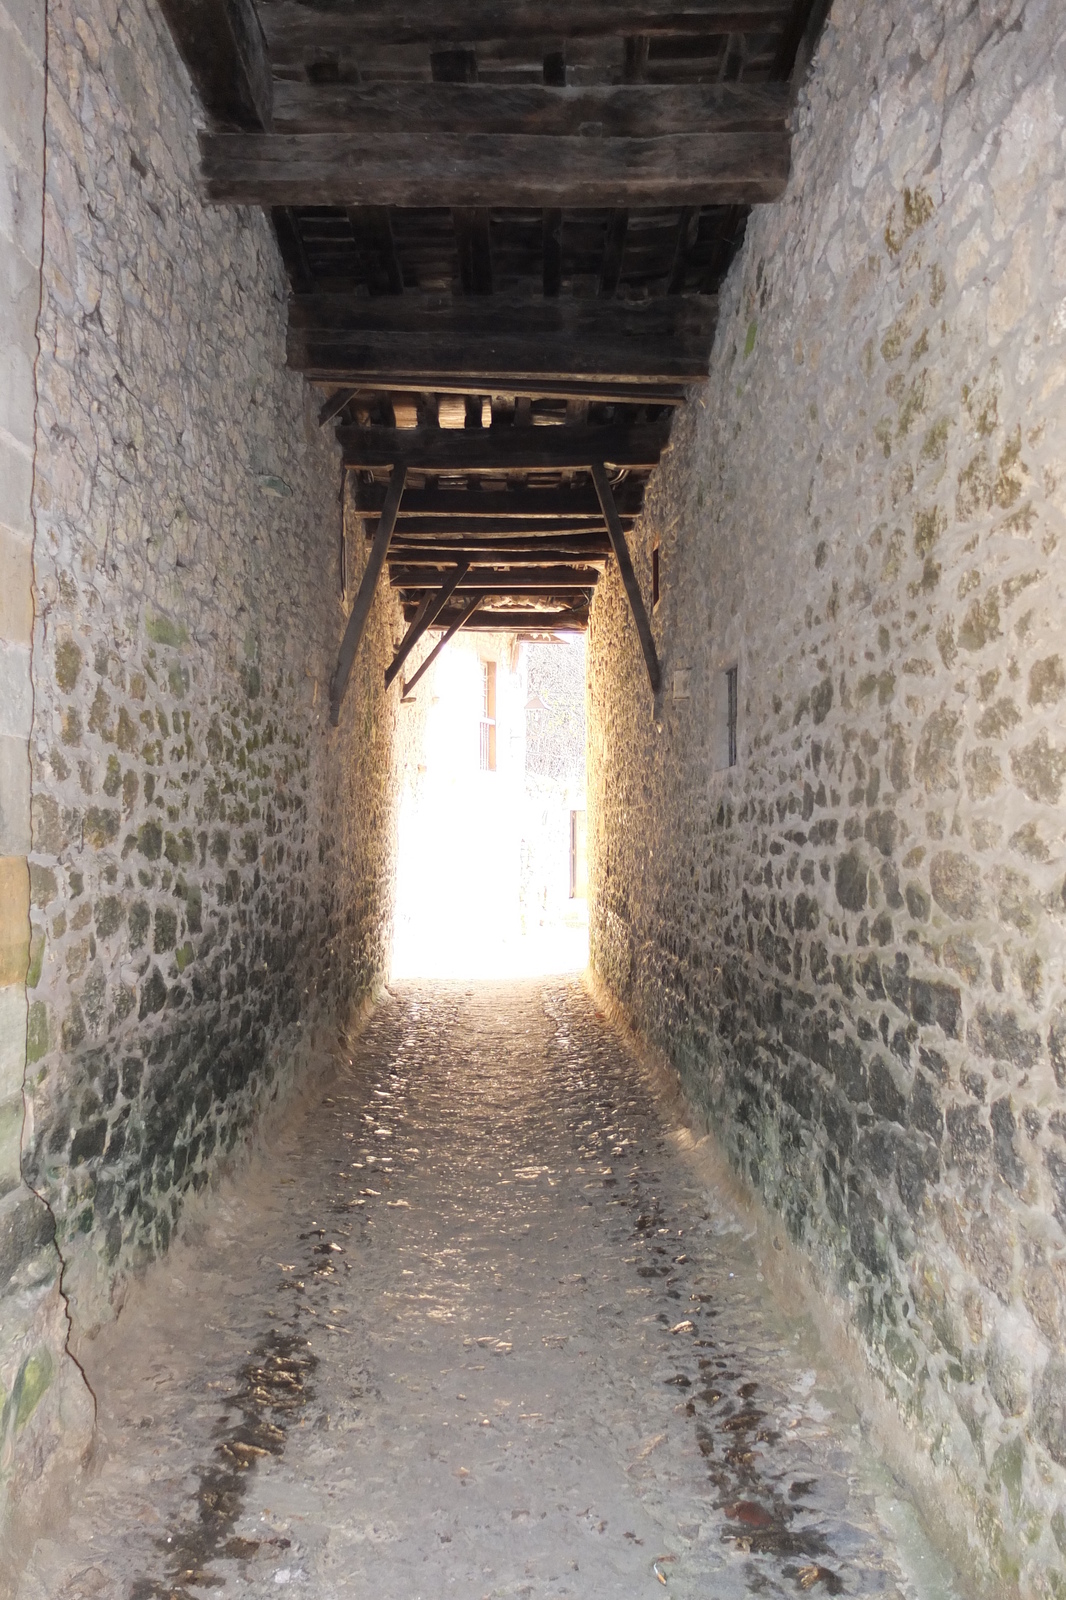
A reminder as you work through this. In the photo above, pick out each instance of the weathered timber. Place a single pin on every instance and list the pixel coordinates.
(482, 579)
(630, 111)
(222, 44)
(463, 619)
(528, 504)
(503, 340)
(291, 246)
(471, 223)
(609, 390)
(511, 619)
(502, 449)
(552, 252)
(628, 576)
(534, 552)
(798, 37)
(371, 226)
(492, 529)
(427, 613)
(462, 170)
(301, 29)
(614, 246)
(357, 621)
(335, 405)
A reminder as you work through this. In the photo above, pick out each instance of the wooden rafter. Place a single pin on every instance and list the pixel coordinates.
(427, 614)
(477, 170)
(628, 576)
(221, 43)
(360, 612)
(503, 449)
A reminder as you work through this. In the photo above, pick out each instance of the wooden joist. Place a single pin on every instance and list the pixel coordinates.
(613, 111)
(502, 449)
(607, 388)
(534, 552)
(526, 504)
(222, 45)
(505, 338)
(531, 620)
(628, 576)
(485, 580)
(298, 29)
(479, 170)
(489, 530)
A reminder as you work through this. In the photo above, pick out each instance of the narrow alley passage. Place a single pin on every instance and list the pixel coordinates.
(473, 1328)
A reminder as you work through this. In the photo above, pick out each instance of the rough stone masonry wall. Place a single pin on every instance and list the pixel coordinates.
(854, 941)
(210, 863)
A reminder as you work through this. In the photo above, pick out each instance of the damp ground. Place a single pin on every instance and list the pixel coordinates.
(476, 1328)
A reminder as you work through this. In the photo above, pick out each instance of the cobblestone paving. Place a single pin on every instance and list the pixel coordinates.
(475, 1330)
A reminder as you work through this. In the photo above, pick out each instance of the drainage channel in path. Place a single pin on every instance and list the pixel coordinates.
(477, 1330)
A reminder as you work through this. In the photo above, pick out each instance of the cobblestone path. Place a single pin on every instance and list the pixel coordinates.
(475, 1330)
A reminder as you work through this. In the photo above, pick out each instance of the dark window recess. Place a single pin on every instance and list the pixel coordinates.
(655, 575)
(731, 716)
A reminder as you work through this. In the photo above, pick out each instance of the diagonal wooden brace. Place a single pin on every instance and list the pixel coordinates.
(441, 642)
(365, 598)
(425, 617)
(629, 577)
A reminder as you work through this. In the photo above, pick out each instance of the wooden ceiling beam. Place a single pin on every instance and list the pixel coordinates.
(483, 170)
(606, 390)
(501, 341)
(418, 529)
(503, 449)
(297, 28)
(544, 507)
(487, 581)
(512, 620)
(623, 111)
(221, 43)
(537, 552)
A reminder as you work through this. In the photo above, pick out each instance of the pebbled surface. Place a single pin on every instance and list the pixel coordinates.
(474, 1328)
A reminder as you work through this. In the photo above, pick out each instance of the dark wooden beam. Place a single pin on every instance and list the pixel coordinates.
(492, 529)
(502, 449)
(614, 246)
(615, 111)
(628, 576)
(357, 621)
(512, 620)
(552, 234)
(531, 553)
(504, 340)
(372, 227)
(512, 170)
(335, 405)
(518, 386)
(291, 246)
(221, 43)
(528, 505)
(799, 37)
(487, 580)
(428, 612)
(688, 226)
(300, 28)
(453, 629)
(471, 223)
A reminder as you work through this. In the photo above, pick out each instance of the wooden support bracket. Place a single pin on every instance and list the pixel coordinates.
(367, 587)
(427, 613)
(629, 577)
(441, 642)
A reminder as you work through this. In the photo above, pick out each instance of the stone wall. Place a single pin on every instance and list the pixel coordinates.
(211, 864)
(853, 942)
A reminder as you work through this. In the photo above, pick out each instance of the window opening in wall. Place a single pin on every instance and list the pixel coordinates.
(488, 716)
(654, 576)
(513, 706)
(579, 869)
(731, 716)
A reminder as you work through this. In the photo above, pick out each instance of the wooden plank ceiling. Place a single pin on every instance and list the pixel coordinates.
(505, 223)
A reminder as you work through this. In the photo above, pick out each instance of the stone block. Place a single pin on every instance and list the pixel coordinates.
(26, 1228)
(16, 486)
(16, 694)
(16, 588)
(14, 796)
(12, 1039)
(14, 920)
